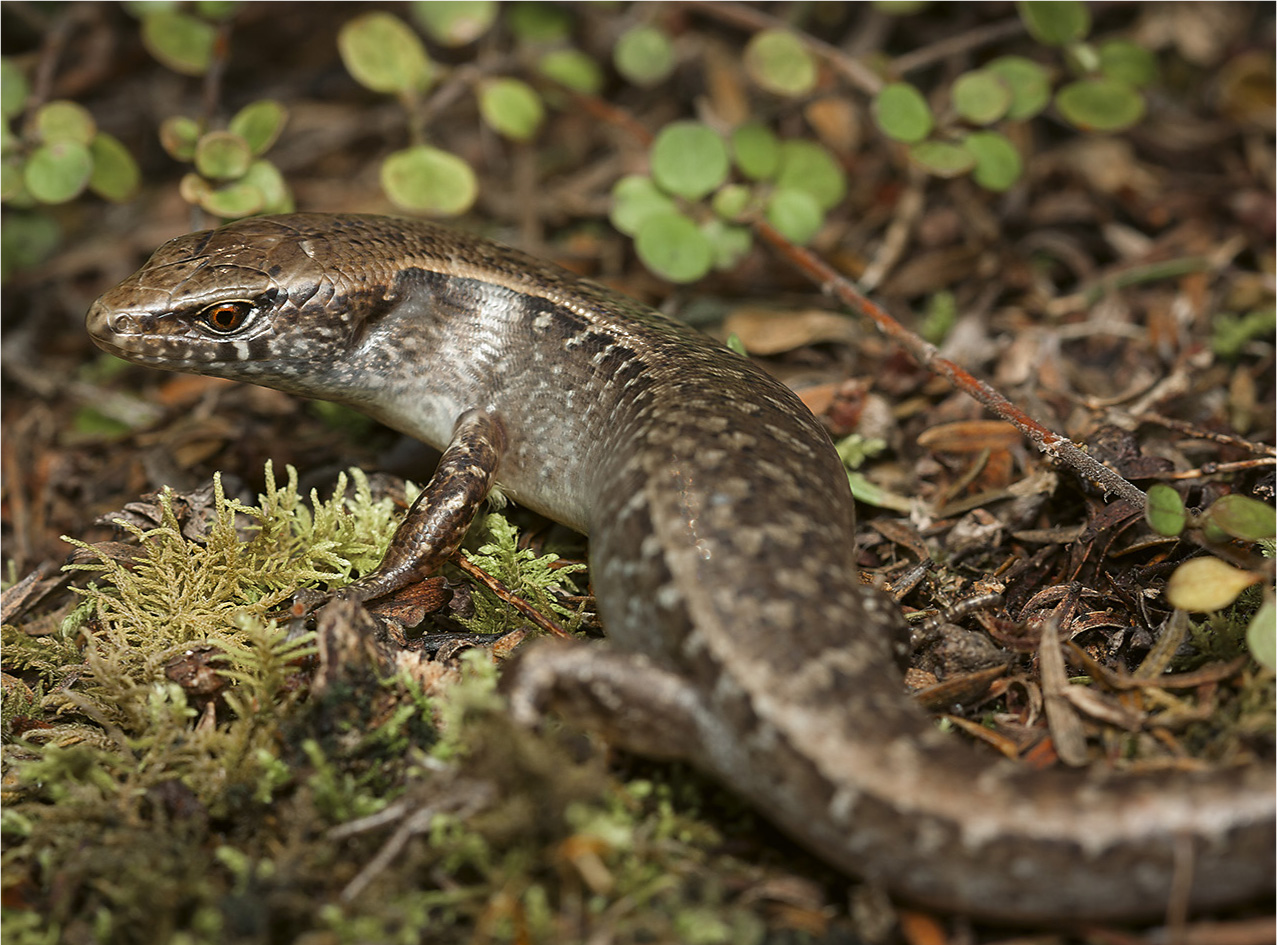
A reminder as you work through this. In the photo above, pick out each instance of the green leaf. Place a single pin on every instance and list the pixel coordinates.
(115, 174)
(14, 89)
(27, 239)
(729, 244)
(65, 121)
(217, 10)
(1231, 333)
(12, 186)
(981, 97)
(234, 201)
(511, 108)
(644, 55)
(1100, 104)
(942, 158)
(795, 213)
(539, 22)
(997, 163)
(1128, 62)
(902, 113)
(1055, 22)
(427, 179)
(1261, 634)
(1030, 85)
(672, 246)
(455, 22)
(572, 68)
(1165, 513)
(1242, 517)
(221, 155)
(634, 199)
(259, 123)
(178, 136)
(730, 201)
(57, 172)
(180, 41)
(779, 62)
(382, 53)
(265, 176)
(1205, 585)
(689, 159)
(806, 166)
(756, 150)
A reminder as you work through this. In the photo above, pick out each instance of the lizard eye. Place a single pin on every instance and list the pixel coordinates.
(224, 318)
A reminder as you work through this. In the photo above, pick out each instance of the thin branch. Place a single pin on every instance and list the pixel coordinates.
(1052, 444)
(953, 45)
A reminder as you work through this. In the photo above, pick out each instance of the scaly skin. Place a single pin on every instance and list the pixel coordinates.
(721, 523)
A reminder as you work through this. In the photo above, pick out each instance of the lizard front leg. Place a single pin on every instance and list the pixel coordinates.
(437, 522)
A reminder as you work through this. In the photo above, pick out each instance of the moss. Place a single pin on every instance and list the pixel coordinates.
(278, 810)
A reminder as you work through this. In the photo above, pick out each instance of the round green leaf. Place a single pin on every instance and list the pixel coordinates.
(455, 22)
(779, 62)
(1055, 22)
(14, 89)
(12, 186)
(233, 201)
(1261, 634)
(178, 136)
(259, 123)
(902, 113)
(1030, 85)
(806, 166)
(730, 200)
(28, 239)
(382, 53)
(1205, 585)
(1243, 517)
(511, 107)
(1130, 63)
(1165, 513)
(65, 121)
(218, 10)
(756, 149)
(265, 176)
(1100, 104)
(221, 155)
(795, 213)
(634, 199)
(942, 159)
(539, 22)
(115, 174)
(997, 162)
(728, 244)
(181, 42)
(427, 179)
(193, 189)
(981, 97)
(673, 247)
(689, 159)
(644, 55)
(573, 69)
(54, 173)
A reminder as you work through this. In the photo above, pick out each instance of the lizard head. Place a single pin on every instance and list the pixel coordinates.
(262, 300)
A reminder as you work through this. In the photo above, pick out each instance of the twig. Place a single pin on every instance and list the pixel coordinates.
(477, 573)
(908, 209)
(1052, 444)
(952, 45)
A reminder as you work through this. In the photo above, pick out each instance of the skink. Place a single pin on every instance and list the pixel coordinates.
(720, 523)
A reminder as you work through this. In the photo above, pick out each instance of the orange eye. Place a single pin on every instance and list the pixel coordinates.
(226, 317)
